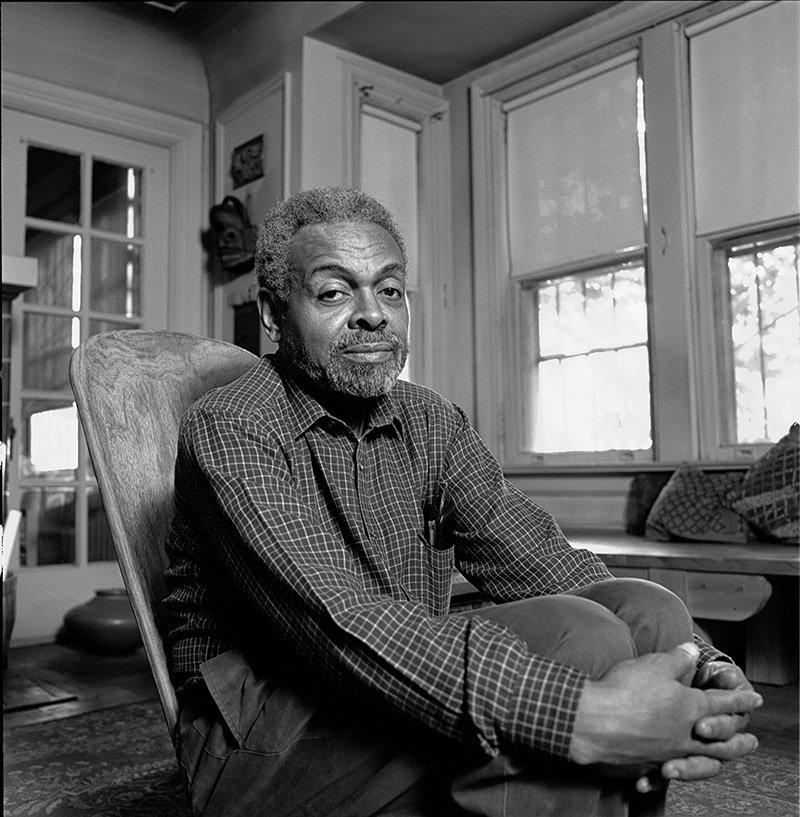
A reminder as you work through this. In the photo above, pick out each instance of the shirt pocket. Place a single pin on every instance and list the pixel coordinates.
(429, 576)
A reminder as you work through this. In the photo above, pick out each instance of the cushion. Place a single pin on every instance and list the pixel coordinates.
(695, 505)
(768, 497)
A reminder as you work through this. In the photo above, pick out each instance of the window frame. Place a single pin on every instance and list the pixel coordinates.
(389, 97)
(677, 261)
(707, 251)
(336, 83)
(497, 292)
(526, 340)
(717, 417)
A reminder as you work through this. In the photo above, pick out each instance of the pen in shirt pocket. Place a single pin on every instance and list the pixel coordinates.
(438, 523)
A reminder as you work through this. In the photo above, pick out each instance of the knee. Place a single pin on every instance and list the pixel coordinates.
(570, 630)
(594, 641)
(657, 618)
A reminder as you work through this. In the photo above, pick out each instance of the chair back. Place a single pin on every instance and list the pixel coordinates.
(131, 388)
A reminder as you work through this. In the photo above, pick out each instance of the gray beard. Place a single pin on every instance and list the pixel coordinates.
(343, 376)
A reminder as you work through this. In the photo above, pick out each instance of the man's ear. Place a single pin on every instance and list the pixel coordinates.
(270, 310)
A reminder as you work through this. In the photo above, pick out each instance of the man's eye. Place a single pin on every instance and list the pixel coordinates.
(393, 293)
(331, 295)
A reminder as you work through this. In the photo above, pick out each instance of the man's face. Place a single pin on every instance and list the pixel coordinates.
(345, 328)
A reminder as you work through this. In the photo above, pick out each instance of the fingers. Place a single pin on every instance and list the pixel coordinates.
(720, 727)
(731, 701)
(721, 675)
(701, 766)
(684, 659)
(697, 767)
(741, 744)
(679, 663)
(652, 781)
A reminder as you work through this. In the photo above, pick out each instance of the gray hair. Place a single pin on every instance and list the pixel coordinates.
(321, 206)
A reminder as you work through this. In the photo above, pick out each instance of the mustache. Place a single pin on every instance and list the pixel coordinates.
(363, 336)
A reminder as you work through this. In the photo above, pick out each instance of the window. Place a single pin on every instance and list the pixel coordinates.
(745, 118)
(589, 378)
(761, 347)
(576, 221)
(635, 210)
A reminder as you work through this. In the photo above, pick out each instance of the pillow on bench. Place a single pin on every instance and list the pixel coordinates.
(769, 496)
(695, 505)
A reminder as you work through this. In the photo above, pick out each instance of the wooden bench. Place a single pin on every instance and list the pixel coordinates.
(755, 584)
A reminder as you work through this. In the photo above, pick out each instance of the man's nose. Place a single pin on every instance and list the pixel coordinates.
(368, 312)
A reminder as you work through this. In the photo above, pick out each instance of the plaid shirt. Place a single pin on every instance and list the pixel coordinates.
(299, 541)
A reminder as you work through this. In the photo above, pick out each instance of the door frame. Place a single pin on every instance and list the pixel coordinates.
(187, 285)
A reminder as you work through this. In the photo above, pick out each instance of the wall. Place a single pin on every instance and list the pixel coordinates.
(90, 47)
(267, 41)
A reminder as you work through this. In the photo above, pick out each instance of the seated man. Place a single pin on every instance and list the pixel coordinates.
(321, 505)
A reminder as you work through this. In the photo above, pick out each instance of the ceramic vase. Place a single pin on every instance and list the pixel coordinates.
(105, 624)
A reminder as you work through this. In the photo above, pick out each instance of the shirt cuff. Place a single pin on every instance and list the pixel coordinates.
(542, 717)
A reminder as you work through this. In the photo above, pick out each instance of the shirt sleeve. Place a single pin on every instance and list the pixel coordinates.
(507, 545)
(466, 678)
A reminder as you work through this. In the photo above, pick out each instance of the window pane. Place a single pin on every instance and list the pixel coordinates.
(50, 439)
(594, 402)
(46, 350)
(630, 306)
(115, 281)
(117, 198)
(765, 335)
(59, 280)
(53, 185)
(101, 545)
(590, 375)
(578, 313)
(574, 182)
(47, 532)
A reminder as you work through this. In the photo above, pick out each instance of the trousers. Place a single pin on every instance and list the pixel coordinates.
(265, 747)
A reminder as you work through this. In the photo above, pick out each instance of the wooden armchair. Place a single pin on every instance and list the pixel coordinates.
(131, 388)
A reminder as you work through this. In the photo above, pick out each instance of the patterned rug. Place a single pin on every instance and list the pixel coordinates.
(114, 762)
(118, 763)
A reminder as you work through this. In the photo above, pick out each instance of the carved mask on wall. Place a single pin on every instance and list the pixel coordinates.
(234, 236)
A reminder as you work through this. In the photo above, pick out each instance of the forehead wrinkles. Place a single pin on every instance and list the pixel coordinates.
(345, 245)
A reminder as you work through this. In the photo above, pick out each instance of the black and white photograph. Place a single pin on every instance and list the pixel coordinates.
(401, 408)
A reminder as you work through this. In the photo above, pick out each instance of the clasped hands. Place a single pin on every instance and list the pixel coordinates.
(642, 720)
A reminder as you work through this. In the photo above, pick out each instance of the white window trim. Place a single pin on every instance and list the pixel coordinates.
(185, 139)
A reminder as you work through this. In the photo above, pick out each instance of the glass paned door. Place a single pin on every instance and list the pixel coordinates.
(91, 208)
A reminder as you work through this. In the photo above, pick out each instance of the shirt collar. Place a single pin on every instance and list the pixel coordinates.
(307, 411)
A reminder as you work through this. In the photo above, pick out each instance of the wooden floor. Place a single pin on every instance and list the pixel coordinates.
(53, 681)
